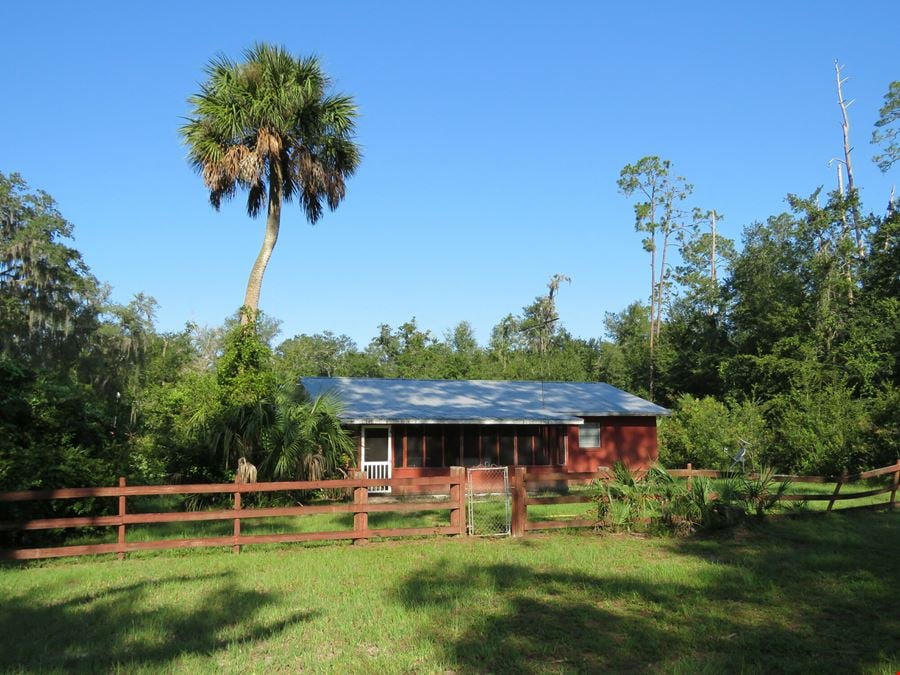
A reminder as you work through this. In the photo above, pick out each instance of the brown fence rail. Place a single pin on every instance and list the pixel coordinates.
(360, 508)
(522, 480)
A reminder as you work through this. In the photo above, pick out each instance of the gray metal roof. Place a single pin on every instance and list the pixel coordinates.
(382, 401)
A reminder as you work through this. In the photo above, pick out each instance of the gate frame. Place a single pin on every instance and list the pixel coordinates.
(470, 501)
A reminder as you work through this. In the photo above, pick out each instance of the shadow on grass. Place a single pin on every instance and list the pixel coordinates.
(122, 625)
(792, 596)
(833, 579)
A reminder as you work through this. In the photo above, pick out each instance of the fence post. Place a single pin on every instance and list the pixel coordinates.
(360, 518)
(895, 484)
(690, 480)
(837, 489)
(121, 541)
(457, 499)
(519, 508)
(236, 548)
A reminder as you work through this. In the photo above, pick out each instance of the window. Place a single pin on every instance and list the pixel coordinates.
(589, 436)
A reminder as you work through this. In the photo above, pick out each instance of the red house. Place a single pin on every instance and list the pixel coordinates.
(423, 427)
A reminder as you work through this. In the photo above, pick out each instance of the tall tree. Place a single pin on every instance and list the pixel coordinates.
(538, 323)
(269, 126)
(704, 258)
(659, 215)
(48, 298)
(848, 160)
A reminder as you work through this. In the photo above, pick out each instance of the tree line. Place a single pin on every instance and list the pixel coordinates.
(786, 346)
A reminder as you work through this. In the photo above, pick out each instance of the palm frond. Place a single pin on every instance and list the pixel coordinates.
(269, 118)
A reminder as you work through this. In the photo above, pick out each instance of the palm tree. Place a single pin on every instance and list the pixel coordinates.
(268, 125)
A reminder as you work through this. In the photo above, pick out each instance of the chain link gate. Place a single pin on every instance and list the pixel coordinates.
(488, 501)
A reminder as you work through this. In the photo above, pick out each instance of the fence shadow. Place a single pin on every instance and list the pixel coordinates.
(122, 626)
(781, 599)
(535, 621)
(834, 579)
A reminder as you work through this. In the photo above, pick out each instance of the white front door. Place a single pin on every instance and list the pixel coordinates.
(377, 455)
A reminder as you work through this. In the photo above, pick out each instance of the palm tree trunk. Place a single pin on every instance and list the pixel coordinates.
(273, 224)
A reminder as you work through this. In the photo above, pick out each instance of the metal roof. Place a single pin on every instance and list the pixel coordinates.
(383, 401)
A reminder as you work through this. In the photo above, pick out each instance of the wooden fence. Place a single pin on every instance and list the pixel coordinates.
(360, 508)
(523, 481)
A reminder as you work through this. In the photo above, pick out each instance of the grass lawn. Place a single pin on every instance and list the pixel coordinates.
(815, 593)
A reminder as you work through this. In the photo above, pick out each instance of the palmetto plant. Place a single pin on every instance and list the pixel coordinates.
(305, 440)
(632, 499)
(762, 491)
(268, 125)
(638, 499)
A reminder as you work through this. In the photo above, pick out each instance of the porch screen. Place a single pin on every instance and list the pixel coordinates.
(434, 446)
(507, 446)
(443, 445)
(471, 454)
(525, 446)
(414, 446)
(451, 446)
(376, 444)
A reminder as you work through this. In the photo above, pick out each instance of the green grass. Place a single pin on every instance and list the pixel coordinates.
(828, 489)
(806, 594)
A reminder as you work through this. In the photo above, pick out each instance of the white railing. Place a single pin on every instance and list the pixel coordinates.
(376, 471)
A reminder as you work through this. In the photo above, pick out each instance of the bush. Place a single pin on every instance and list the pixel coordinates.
(708, 433)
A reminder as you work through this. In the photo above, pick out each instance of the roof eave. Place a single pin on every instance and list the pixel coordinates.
(627, 413)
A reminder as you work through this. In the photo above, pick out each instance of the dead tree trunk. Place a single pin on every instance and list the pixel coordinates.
(848, 160)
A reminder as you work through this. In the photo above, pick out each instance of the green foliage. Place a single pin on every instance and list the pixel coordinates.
(818, 427)
(269, 121)
(54, 433)
(887, 129)
(244, 371)
(324, 355)
(306, 440)
(48, 299)
(647, 500)
(630, 500)
(709, 433)
(761, 492)
(625, 362)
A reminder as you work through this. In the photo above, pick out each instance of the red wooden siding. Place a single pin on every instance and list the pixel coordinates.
(628, 439)
(429, 450)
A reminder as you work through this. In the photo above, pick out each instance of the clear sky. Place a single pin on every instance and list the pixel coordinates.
(493, 135)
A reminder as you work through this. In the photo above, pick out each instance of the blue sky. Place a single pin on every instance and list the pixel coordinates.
(493, 135)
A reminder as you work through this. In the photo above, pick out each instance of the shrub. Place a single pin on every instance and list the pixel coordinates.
(652, 500)
(708, 433)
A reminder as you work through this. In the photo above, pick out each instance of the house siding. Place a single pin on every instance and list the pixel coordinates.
(631, 440)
